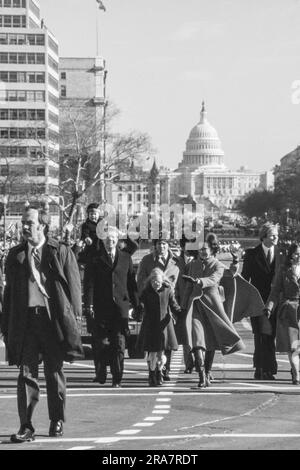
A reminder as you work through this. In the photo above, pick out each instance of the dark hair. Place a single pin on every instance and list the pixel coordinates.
(92, 206)
(213, 242)
(292, 250)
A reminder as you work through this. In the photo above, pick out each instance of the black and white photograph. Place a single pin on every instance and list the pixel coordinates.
(149, 228)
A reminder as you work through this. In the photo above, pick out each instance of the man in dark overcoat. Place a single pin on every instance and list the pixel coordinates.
(260, 265)
(42, 299)
(111, 287)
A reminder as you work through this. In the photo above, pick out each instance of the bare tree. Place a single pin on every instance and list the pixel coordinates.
(92, 154)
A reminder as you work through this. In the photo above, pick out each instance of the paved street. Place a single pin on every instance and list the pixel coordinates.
(237, 412)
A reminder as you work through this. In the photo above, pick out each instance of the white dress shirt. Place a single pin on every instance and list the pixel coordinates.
(36, 298)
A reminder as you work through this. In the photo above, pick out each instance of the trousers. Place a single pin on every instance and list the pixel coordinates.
(41, 344)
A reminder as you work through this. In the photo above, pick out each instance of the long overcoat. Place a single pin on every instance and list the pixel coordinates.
(157, 329)
(206, 324)
(111, 288)
(285, 294)
(60, 276)
(149, 262)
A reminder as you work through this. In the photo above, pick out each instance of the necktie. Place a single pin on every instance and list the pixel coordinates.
(35, 264)
(111, 257)
(269, 257)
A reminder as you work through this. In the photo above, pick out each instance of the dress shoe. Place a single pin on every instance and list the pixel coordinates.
(268, 376)
(152, 380)
(209, 378)
(188, 370)
(258, 374)
(165, 374)
(25, 434)
(159, 377)
(101, 375)
(116, 385)
(56, 429)
(202, 379)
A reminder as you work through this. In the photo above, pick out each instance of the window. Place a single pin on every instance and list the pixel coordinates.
(40, 58)
(63, 91)
(13, 58)
(40, 171)
(22, 95)
(63, 75)
(14, 114)
(41, 133)
(40, 114)
(4, 76)
(40, 78)
(14, 133)
(17, 21)
(7, 21)
(22, 58)
(31, 58)
(31, 114)
(40, 96)
(3, 58)
(22, 114)
(21, 39)
(40, 40)
(12, 95)
(31, 39)
(4, 114)
(53, 63)
(4, 133)
(3, 38)
(4, 170)
(7, 3)
(53, 45)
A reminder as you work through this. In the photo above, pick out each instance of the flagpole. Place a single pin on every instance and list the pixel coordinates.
(97, 30)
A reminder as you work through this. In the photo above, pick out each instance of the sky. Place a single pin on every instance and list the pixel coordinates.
(164, 57)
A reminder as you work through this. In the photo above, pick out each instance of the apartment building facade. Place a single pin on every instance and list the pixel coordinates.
(29, 109)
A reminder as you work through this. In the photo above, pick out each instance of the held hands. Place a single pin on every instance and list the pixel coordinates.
(88, 241)
(267, 312)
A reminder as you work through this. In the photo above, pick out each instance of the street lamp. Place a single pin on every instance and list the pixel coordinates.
(287, 216)
(5, 201)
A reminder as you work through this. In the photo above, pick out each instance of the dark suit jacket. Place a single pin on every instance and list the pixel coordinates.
(111, 287)
(257, 270)
(60, 276)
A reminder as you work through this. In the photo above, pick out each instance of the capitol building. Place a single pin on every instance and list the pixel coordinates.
(202, 172)
(201, 177)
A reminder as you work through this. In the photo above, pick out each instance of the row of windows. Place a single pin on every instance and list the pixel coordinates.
(63, 91)
(53, 82)
(22, 114)
(53, 118)
(15, 152)
(20, 95)
(129, 188)
(22, 39)
(23, 133)
(34, 9)
(53, 100)
(12, 21)
(53, 45)
(53, 64)
(53, 136)
(13, 3)
(22, 58)
(23, 77)
(6, 170)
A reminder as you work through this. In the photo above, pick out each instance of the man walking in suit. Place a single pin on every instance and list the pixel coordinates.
(111, 285)
(259, 268)
(42, 299)
(162, 258)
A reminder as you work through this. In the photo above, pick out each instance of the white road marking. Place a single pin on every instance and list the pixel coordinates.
(154, 418)
(143, 425)
(162, 407)
(163, 412)
(82, 448)
(104, 440)
(163, 399)
(128, 432)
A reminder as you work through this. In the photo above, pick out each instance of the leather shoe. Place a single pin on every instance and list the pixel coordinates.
(101, 375)
(165, 374)
(116, 385)
(25, 434)
(268, 376)
(56, 429)
(258, 374)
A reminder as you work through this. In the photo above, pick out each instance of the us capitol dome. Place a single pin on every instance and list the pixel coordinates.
(203, 147)
(202, 172)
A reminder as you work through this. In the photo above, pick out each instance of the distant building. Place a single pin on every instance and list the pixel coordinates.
(82, 96)
(203, 174)
(288, 164)
(29, 127)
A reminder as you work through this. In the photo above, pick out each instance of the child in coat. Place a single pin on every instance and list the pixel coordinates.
(157, 331)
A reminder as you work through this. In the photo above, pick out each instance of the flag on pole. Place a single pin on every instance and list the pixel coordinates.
(101, 6)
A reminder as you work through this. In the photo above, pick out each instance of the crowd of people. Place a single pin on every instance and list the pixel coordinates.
(193, 301)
